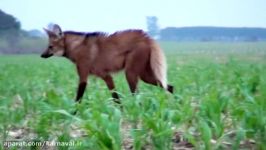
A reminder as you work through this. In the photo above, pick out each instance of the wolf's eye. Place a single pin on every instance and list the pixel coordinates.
(50, 47)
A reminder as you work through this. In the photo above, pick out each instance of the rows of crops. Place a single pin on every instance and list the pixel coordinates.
(219, 102)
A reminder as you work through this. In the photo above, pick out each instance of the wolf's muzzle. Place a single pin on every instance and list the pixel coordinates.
(46, 55)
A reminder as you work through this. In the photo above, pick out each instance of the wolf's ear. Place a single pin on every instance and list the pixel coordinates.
(50, 33)
(57, 30)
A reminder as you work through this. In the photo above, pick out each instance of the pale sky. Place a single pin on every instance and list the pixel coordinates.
(113, 15)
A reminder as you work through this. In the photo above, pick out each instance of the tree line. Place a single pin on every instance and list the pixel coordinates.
(13, 39)
(213, 34)
(204, 33)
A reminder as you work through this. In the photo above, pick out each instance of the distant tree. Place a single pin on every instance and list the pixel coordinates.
(9, 28)
(35, 33)
(14, 40)
(152, 26)
(8, 21)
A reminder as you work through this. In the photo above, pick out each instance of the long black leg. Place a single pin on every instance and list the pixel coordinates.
(83, 75)
(80, 91)
(110, 84)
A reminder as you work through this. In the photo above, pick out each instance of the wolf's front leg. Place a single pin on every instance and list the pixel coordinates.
(80, 91)
(83, 76)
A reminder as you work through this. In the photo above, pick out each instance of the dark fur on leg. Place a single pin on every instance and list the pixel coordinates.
(116, 97)
(80, 92)
(170, 88)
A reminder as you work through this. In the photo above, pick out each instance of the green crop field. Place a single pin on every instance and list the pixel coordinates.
(219, 103)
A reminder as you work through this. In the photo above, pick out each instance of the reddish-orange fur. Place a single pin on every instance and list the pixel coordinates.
(100, 54)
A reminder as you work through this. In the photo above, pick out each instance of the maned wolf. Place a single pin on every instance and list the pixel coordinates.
(100, 54)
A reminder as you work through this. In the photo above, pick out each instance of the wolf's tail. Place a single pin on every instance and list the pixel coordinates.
(158, 64)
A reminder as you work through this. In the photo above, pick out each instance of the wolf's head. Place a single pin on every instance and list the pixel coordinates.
(56, 44)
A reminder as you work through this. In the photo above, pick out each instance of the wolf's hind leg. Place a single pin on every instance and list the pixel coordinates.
(110, 84)
(135, 64)
(148, 77)
(132, 80)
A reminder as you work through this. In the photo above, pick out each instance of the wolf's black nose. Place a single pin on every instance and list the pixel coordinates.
(45, 55)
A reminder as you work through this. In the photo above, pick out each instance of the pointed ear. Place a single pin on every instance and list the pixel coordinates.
(50, 33)
(57, 30)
